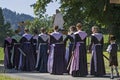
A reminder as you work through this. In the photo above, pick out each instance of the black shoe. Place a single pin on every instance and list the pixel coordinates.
(118, 75)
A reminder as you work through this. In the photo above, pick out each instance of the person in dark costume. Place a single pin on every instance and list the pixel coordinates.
(35, 44)
(69, 41)
(42, 55)
(7, 52)
(56, 59)
(65, 35)
(27, 61)
(15, 51)
(112, 50)
(97, 66)
(78, 65)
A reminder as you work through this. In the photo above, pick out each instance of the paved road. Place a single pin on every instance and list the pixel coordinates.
(46, 76)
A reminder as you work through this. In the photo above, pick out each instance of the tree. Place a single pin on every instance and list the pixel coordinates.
(4, 28)
(1, 17)
(99, 12)
(37, 23)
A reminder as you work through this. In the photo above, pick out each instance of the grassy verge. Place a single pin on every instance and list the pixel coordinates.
(3, 77)
(1, 55)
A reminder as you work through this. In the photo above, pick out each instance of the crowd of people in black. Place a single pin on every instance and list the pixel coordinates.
(58, 52)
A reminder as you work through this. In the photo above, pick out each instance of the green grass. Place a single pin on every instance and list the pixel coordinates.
(106, 37)
(3, 77)
(1, 55)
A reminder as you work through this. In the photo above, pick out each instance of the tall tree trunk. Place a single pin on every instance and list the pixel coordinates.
(116, 31)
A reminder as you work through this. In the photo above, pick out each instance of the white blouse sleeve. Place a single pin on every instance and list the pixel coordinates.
(109, 48)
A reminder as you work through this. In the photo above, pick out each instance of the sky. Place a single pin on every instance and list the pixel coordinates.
(23, 6)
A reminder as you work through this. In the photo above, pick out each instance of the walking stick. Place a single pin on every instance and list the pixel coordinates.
(105, 57)
(70, 61)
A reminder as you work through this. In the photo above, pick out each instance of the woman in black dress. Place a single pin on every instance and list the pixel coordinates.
(27, 61)
(79, 57)
(15, 49)
(7, 52)
(56, 59)
(97, 66)
(35, 44)
(42, 55)
(69, 42)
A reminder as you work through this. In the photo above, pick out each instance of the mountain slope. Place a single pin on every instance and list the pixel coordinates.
(14, 18)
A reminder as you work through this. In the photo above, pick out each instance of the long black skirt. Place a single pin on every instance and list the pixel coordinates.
(59, 59)
(42, 59)
(16, 56)
(7, 57)
(82, 70)
(27, 61)
(97, 66)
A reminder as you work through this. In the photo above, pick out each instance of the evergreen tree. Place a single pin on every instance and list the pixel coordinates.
(4, 28)
(1, 18)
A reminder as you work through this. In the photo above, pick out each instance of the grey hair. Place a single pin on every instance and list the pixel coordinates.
(95, 28)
